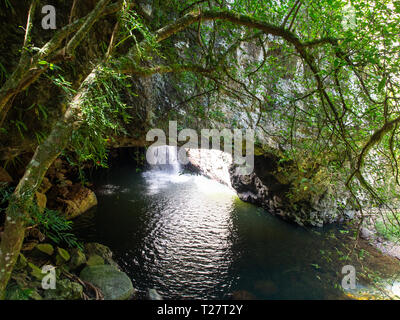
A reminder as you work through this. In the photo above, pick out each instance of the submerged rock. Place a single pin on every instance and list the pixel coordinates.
(266, 287)
(242, 295)
(152, 294)
(114, 284)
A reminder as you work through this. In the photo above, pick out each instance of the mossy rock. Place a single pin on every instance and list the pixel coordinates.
(103, 251)
(77, 260)
(114, 284)
(95, 260)
(65, 290)
(63, 253)
(45, 248)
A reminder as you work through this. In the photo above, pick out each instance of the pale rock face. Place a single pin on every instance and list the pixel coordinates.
(262, 187)
(212, 163)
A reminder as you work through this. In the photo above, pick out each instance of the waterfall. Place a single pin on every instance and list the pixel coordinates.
(164, 168)
(164, 158)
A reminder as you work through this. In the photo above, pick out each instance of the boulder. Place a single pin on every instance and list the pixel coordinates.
(80, 200)
(114, 284)
(103, 251)
(266, 287)
(95, 260)
(269, 188)
(211, 163)
(366, 233)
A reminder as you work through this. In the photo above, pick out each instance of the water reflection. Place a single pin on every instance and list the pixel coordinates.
(192, 238)
(188, 250)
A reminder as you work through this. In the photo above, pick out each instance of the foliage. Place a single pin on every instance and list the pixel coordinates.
(388, 227)
(322, 115)
(54, 226)
(50, 222)
(15, 292)
(323, 93)
(104, 114)
(132, 27)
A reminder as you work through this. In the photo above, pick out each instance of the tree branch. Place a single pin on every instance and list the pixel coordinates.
(289, 14)
(91, 19)
(29, 70)
(174, 68)
(28, 29)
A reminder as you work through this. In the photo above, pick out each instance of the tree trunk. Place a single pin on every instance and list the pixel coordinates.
(18, 208)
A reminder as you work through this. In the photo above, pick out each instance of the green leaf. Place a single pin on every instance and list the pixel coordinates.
(382, 84)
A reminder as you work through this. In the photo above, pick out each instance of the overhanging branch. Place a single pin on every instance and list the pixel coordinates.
(174, 68)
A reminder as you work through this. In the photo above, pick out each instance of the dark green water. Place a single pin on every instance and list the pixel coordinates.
(192, 238)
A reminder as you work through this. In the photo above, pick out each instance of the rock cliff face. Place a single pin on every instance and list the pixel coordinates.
(211, 163)
(263, 188)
